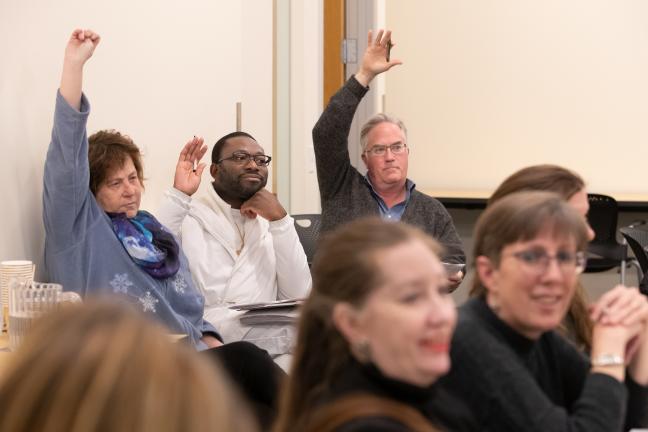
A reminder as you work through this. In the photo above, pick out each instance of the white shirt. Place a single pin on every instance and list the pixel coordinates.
(235, 259)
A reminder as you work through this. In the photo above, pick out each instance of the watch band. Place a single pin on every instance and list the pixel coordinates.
(608, 360)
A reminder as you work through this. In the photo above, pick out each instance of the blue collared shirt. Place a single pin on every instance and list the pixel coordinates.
(396, 212)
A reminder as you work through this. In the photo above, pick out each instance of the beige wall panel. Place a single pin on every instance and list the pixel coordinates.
(491, 86)
(165, 71)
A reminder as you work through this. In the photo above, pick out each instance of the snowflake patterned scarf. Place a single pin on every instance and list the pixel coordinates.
(148, 243)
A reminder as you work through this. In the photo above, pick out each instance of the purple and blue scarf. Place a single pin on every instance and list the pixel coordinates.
(148, 243)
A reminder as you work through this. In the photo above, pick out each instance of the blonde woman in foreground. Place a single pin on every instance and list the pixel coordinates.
(374, 336)
(103, 367)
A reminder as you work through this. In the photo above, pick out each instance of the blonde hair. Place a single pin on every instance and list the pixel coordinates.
(103, 367)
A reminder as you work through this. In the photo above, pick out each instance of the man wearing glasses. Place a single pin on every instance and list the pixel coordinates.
(385, 190)
(241, 244)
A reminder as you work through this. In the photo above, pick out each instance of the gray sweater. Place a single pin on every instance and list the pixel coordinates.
(346, 194)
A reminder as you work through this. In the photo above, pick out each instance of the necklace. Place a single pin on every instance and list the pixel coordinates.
(242, 237)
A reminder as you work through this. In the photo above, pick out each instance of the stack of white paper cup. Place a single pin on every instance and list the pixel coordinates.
(22, 271)
(28, 302)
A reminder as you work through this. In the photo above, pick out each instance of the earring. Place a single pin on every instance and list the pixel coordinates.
(493, 302)
(363, 351)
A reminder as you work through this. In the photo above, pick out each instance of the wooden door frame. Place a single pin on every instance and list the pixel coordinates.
(334, 34)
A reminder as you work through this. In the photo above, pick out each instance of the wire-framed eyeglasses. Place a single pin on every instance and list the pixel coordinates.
(380, 150)
(537, 260)
(241, 158)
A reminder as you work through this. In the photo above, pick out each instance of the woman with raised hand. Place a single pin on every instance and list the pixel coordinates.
(374, 336)
(99, 242)
(509, 365)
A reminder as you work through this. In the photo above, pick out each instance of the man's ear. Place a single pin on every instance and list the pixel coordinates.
(345, 319)
(364, 159)
(213, 169)
(487, 272)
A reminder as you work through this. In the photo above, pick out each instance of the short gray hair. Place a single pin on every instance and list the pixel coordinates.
(375, 121)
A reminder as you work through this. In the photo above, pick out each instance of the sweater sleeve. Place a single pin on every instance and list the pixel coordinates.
(571, 361)
(330, 138)
(446, 233)
(637, 416)
(504, 396)
(68, 205)
(431, 216)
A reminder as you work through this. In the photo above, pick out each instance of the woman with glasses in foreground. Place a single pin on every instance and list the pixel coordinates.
(508, 364)
(577, 325)
(374, 336)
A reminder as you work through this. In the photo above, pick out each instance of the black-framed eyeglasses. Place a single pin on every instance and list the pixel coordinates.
(380, 150)
(538, 260)
(241, 157)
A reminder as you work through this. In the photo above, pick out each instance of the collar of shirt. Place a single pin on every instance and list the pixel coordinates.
(396, 212)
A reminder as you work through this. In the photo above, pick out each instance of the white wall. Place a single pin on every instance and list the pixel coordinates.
(164, 71)
(306, 70)
(489, 87)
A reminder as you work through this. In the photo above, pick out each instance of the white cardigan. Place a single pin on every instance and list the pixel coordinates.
(271, 266)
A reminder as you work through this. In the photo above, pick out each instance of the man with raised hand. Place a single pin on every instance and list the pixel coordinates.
(241, 243)
(385, 190)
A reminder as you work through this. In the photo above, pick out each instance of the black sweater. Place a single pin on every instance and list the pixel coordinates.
(512, 383)
(442, 409)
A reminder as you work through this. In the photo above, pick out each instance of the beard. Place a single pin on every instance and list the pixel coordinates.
(237, 186)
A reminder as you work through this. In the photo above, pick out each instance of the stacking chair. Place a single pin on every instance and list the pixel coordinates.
(637, 239)
(307, 227)
(605, 252)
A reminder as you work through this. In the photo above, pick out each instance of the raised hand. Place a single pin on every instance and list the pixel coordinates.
(79, 49)
(374, 60)
(189, 168)
(264, 204)
(81, 45)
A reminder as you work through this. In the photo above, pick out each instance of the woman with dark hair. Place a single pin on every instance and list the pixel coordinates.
(377, 324)
(98, 241)
(577, 325)
(509, 365)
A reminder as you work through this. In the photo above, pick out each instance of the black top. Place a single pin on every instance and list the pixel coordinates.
(442, 409)
(345, 193)
(511, 383)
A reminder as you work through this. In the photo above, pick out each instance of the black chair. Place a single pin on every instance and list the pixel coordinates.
(638, 241)
(605, 252)
(308, 227)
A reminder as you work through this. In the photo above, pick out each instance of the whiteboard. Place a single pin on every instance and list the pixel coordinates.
(488, 87)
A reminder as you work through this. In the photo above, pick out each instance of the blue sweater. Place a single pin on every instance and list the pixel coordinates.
(82, 251)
